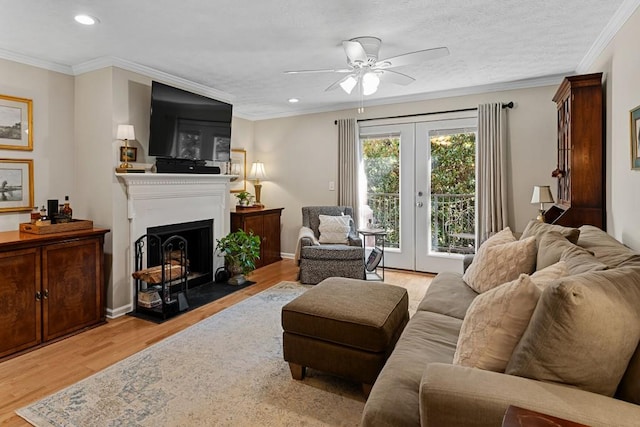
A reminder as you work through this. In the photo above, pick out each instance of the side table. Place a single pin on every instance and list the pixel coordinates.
(374, 264)
(520, 417)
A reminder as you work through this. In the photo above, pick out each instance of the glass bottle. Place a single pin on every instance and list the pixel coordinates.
(35, 215)
(66, 209)
(43, 214)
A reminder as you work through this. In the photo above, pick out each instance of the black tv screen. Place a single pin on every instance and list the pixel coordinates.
(186, 125)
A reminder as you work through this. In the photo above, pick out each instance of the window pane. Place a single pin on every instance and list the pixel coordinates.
(381, 157)
(453, 187)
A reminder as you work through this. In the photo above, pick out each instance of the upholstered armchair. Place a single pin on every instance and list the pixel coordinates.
(343, 256)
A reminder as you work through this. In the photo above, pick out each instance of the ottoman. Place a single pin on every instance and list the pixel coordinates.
(347, 327)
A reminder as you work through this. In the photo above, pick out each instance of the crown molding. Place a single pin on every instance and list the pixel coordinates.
(112, 61)
(40, 63)
(621, 16)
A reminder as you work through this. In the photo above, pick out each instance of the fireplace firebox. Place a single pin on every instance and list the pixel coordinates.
(199, 237)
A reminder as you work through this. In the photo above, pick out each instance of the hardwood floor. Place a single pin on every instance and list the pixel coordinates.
(36, 374)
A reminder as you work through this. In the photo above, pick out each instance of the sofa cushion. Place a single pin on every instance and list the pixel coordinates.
(607, 249)
(497, 319)
(538, 229)
(394, 399)
(448, 294)
(334, 229)
(579, 260)
(495, 264)
(583, 331)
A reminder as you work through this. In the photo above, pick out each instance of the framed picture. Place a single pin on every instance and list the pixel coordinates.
(16, 185)
(128, 154)
(16, 123)
(239, 167)
(635, 138)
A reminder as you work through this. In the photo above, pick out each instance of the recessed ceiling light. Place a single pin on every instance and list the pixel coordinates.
(86, 19)
(293, 100)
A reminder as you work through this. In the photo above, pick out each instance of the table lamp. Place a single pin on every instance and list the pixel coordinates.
(542, 195)
(126, 133)
(257, 173)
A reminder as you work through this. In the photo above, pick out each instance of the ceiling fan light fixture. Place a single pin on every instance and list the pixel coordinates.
(370, 82)
(348, 84)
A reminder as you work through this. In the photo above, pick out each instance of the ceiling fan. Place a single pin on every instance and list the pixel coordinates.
(365, 69)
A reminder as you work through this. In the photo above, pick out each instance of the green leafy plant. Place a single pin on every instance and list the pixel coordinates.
(241, 250)
(244, 198)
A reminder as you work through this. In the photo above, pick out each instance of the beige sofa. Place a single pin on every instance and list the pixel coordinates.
(586, 368)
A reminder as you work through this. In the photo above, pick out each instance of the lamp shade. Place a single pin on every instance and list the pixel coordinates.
(125, 132)
(541, 194)
(257, 171)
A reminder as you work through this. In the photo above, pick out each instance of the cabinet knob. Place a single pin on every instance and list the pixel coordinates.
(45, 294)
(38, 296)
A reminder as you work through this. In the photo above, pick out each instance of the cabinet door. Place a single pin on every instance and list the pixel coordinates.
(20, 307)
(271, 238)
(72, 286)
(255, 223)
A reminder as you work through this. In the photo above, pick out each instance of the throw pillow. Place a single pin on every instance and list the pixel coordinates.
(496, 320)
(550, 248)
(498, 264)
(545, 276)
(334, 229)
(494, 323)
(536, 228)
(583, 331)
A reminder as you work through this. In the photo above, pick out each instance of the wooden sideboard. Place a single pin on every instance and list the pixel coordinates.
(52, 286)
(264, 222)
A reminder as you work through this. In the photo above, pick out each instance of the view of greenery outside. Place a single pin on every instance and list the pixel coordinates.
(453, 191)
(452, 188)
(381, 158)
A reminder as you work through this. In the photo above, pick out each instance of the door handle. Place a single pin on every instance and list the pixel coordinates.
(419, 204)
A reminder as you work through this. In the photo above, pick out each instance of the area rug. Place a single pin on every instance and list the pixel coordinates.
(226, 370)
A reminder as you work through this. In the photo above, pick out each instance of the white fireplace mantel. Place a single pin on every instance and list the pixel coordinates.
(157, 199)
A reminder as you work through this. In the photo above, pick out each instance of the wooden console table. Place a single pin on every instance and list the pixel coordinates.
(52, 286)
(264, 222)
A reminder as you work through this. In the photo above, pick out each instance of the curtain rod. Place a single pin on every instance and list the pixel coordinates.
(507, 105)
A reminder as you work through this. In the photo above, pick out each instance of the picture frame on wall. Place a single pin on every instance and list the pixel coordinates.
(128, 154)
(16, 123)
(16, 185)
(238, 167)
(635, 138)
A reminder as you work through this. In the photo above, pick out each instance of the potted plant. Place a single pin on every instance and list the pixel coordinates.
(241, 250)
(244, 198)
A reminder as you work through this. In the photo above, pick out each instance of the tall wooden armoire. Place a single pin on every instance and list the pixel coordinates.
(581, 153)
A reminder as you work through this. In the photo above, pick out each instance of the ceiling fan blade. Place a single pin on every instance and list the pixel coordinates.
(390, 76)
(337, 83)
(354, 51)
(413, 57)
(328, 70)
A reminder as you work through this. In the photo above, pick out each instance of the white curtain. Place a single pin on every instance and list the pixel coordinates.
(348, 164)
(492, 170)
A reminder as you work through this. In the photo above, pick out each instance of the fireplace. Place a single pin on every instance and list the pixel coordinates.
(199, 237)
(156, 199)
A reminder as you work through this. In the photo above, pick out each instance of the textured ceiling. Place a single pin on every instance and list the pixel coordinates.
(242, 47)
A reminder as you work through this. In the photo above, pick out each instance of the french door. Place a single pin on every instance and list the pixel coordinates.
(420, 187)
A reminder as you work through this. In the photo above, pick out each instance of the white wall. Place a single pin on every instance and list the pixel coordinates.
(53, 134)
(621, 64)
(300, 152)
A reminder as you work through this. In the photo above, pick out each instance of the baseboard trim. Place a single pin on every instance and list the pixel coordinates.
(120, 311)
(287, 255)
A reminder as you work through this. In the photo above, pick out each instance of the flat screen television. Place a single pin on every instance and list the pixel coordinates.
(186, 125)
